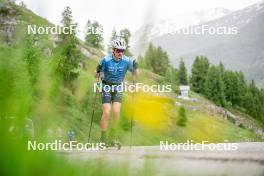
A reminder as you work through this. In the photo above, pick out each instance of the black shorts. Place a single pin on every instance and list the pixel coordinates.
(111, 96)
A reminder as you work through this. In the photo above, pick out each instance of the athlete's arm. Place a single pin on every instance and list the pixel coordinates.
(99, 69)
(135, 68)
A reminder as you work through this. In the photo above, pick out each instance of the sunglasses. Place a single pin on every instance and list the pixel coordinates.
(120, 50)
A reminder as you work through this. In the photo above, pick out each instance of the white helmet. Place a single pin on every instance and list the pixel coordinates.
(119, 44)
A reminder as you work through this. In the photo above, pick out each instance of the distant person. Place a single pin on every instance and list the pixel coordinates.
(71, 135)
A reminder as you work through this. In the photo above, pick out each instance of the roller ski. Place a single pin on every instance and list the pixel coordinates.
(115, 143)
(112, 143)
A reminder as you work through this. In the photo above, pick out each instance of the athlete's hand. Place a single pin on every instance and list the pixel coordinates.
(97, 76)
(135, 64)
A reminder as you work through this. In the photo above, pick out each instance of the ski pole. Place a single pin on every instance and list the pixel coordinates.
(94, 103)
(132, 116)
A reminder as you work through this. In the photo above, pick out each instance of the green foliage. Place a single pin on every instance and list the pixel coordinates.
(235, 87)
(171, 75)
(227, 88)
(150, 57)
(94, 36)
(182, 117)
(254, 102)
(31, 57)
(156, 60)
(141, 62)
(214, 86)
(70, 54)
(182, 74)
(113, 36)
(199, 73)
(15, 92)
(126, 34)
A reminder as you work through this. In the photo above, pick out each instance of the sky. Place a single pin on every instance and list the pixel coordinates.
(121, 14)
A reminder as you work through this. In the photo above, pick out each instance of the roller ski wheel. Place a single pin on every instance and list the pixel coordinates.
(115, 143)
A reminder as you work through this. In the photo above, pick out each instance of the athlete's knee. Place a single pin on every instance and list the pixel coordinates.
(106, 111)
(106, 114)
(116, 107)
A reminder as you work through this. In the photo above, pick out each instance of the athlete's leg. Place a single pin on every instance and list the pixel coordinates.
(106, 107)
(116, 113)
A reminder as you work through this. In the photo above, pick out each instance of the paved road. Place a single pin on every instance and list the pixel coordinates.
(247, 160)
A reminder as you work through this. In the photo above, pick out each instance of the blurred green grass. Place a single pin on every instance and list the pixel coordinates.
(54, 110)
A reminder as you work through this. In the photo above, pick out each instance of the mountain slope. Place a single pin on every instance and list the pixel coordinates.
(243, 51)
(161, 27)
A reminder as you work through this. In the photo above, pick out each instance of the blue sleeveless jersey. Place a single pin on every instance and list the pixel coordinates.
(114, 71)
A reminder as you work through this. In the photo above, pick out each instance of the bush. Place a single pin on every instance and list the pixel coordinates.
(182, 117)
